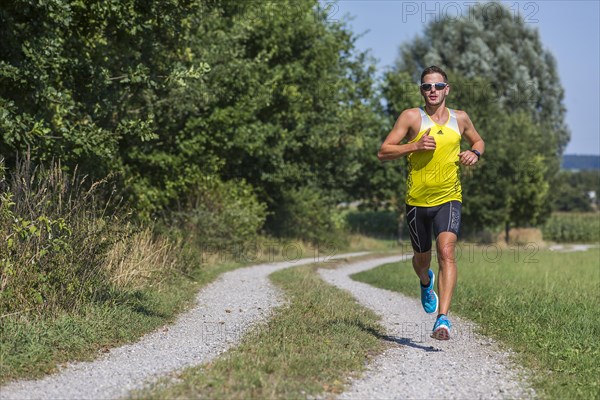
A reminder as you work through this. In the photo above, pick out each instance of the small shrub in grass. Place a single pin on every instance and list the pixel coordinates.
(54, 239)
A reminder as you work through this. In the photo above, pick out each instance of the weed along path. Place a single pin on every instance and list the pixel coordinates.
(416, 366)
(226, 309)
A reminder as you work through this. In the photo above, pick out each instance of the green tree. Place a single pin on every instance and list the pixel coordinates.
(86, 82)
(171, 96)
(290, 103)
(572, 189)
(80, 78)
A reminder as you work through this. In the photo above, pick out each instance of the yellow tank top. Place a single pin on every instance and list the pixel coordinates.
(434, 176)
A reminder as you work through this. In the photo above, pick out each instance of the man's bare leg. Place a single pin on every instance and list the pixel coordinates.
(421, 263)
(446, 245)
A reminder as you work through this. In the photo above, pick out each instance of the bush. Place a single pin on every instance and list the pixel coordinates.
(62, 244)
(380, 224)
(221, 215)
(54, 237)
(306, 214)
(573, 227)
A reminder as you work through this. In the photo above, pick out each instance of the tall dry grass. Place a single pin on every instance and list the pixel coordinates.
(140, 260)
(55, 233)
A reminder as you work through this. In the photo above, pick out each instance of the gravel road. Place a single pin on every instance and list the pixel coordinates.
(226, 309)
(468, 366)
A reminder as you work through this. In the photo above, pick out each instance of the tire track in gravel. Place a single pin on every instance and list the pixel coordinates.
(226, 309)
(467, 366)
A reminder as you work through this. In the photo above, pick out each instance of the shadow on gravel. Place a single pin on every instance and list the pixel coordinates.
(408, 342)
(403, 341)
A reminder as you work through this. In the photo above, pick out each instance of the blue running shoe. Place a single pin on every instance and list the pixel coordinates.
(441, 328)
(429, 299)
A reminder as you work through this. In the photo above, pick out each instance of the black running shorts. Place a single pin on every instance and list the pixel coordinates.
(444, 218)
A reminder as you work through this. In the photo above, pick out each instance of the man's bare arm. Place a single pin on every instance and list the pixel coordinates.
(391, 147)
(472, 136)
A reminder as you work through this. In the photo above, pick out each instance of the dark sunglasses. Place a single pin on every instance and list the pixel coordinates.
(438, 86)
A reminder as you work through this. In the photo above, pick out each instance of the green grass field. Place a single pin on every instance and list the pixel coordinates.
(544, 305)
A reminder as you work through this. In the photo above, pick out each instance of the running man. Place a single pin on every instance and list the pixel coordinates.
(434, 194)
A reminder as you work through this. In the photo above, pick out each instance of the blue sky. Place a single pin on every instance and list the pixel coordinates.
(569, 29)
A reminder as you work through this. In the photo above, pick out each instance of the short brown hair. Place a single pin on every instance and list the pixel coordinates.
(434, 70)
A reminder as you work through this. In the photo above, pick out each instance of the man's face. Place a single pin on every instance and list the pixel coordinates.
(434, 96)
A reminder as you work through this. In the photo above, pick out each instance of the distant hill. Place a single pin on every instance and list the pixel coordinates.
(580, 162)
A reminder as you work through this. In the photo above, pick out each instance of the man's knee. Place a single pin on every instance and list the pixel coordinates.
(446, 252)
(422, 259)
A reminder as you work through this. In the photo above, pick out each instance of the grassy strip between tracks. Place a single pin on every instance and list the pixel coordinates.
(310, 346)
(544, 305)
